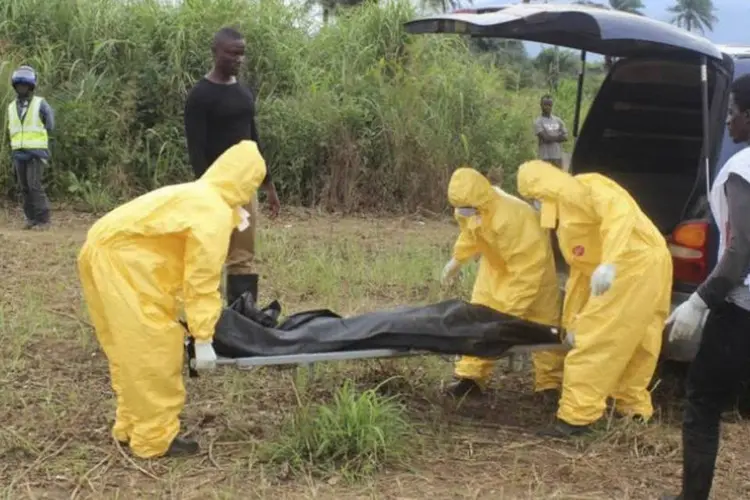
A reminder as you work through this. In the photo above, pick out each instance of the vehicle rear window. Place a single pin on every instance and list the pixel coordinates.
(647, 118)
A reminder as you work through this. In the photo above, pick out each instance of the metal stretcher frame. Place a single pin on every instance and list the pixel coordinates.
(309, 360)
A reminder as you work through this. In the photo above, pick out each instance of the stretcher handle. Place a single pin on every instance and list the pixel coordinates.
(190, 351)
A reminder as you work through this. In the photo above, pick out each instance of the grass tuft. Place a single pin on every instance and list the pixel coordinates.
(356, 434)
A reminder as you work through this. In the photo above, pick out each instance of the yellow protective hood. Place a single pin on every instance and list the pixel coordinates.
(549, 185)
(237, 174)
(539, 180)
(469, 188)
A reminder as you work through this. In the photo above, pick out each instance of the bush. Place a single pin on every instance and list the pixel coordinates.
(358, 115)
(358, 433)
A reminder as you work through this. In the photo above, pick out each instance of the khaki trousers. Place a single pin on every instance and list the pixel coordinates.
(242, 244)
(241, 248)
(240, 256)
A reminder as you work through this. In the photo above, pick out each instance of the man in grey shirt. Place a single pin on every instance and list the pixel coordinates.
(551, 133)
(723, 360)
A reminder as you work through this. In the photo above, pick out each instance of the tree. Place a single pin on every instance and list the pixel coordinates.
(694, 15)
(631, 6)
(330, 6)
(504, 51)
(444, 5)
(554, 63)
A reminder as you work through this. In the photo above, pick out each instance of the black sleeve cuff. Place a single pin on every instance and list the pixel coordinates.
(714, 291)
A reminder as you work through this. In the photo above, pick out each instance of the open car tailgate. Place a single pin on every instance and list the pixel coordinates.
(597, 30)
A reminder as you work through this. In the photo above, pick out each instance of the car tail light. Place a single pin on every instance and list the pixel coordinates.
(688, 246)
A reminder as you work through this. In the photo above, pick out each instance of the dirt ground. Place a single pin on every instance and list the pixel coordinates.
(56, 406)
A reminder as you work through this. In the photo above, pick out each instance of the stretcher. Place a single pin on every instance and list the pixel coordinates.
(309, 360)
(249, 339)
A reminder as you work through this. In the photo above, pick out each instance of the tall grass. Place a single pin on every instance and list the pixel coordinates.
(355, 115)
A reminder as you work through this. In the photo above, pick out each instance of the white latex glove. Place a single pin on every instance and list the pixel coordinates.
(570, 339)
(449, 271)
(244, 219)
(602, 279)
(686, 317)
(205, 356)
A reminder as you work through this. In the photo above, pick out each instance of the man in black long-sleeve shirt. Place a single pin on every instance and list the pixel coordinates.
(219, 113)
(723, 359)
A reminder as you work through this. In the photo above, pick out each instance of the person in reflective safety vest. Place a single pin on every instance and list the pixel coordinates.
(30, 122)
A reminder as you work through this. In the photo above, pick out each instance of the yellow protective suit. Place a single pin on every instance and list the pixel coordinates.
(136, 261)
(516, 273)
(617, 335)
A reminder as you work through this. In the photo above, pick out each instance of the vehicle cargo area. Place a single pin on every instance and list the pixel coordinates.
(644, 130)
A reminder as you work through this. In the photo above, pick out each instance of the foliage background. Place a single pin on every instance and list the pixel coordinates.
(356, 115)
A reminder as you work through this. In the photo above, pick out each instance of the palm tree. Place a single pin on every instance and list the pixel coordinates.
(694, 15)
(631, 6)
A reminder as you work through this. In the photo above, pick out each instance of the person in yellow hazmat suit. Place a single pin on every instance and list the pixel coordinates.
(138, 261)
(617, 296)
(516, 273)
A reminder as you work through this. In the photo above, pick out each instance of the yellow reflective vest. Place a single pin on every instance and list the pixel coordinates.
(28, 133)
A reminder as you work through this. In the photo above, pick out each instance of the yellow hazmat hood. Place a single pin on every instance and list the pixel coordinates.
(469, 188)
(237, 174)
(549, 185)
(539, 180)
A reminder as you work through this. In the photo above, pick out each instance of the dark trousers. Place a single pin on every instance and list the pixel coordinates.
(35, 201)
(715, 378)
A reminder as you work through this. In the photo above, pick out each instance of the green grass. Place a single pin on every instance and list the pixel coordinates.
(356, 115)
(357, 434)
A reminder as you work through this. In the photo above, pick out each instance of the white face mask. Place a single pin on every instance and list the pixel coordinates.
(466, 211)
(244, 219)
